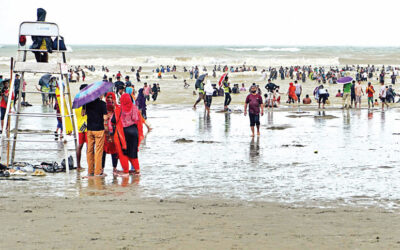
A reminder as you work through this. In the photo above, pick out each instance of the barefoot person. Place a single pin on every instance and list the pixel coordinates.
(127, 134)
(82, 133)
(382, 95)
(209, 91)
(254, 101)
(109, 145)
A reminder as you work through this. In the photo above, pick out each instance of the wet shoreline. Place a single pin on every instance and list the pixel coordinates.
(310, 158)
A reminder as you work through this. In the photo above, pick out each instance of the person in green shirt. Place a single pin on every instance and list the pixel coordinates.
(346, 95)
(227, 91)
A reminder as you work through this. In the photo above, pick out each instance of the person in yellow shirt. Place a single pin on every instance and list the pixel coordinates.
(82, 131)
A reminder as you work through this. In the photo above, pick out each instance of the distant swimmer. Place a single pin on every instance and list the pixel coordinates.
(185, 84)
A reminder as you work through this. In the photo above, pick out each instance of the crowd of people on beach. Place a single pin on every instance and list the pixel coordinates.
(113, 126)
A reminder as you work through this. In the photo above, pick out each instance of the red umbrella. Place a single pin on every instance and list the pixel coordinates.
(222, 79)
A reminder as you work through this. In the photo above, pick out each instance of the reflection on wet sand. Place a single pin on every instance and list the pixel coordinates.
(254, 152)
(219, 159)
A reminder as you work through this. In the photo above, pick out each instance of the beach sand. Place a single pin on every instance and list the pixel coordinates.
(121, 220)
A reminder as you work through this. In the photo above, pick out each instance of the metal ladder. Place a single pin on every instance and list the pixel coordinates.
(22, 66)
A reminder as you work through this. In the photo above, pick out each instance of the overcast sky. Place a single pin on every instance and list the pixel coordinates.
(212, 22)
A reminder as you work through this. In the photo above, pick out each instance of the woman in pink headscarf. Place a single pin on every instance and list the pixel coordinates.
(127, 135)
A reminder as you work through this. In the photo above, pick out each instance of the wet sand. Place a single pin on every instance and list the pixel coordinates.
(122, 220)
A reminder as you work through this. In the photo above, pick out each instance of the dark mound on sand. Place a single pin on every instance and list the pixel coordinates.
(183, 140)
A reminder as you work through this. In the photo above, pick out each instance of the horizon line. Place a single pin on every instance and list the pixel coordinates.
(223, 45)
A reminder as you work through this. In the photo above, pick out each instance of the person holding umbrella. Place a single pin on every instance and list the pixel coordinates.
(200, 85)
(97, 123)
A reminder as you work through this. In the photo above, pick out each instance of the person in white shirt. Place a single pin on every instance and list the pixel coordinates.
(209, 90)
(322, 96)
(298, 91)
(382, 96)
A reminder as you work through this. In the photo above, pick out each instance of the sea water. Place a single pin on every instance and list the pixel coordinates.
(261, 56)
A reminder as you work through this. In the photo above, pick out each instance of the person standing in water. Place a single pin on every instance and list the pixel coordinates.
(359, 92)
(201, 93)
(346, 95)
(382, 95)
(209, 91)
(82, 133)
(370, 92)
(254, 102)
(228, 97)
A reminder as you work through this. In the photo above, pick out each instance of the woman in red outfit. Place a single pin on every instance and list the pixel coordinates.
(128, 133)
(109, 145)
(292, 93)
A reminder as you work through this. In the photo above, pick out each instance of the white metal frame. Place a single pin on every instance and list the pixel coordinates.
(39, 29)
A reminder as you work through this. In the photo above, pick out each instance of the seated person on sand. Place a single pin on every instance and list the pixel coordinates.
(376, 102)
(339, 94)
(307, 100)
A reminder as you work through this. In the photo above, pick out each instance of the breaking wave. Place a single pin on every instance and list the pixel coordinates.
(265, 49)
(200, 61)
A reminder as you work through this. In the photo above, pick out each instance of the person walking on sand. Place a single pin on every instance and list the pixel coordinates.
(254, 102)
(370, 92)
(382, 95)
(97, 126)
(358, 92)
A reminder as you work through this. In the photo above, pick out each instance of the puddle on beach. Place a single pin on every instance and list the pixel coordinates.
(349, 158)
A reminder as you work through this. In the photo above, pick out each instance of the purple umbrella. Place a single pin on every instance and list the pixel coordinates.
(91, 93)
(344, 80)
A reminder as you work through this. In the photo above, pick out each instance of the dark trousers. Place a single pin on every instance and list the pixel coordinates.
(114, 158)
(228, 99)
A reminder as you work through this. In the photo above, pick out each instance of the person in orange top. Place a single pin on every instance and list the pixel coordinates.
(128, 133)
(292, 93)
(370, 92)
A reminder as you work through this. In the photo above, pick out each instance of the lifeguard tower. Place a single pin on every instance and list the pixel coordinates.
(57, 67)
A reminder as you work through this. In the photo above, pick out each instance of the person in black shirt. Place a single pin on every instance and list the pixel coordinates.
(154, 89)
(270, 87)
(97, 126)
(119, 84)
